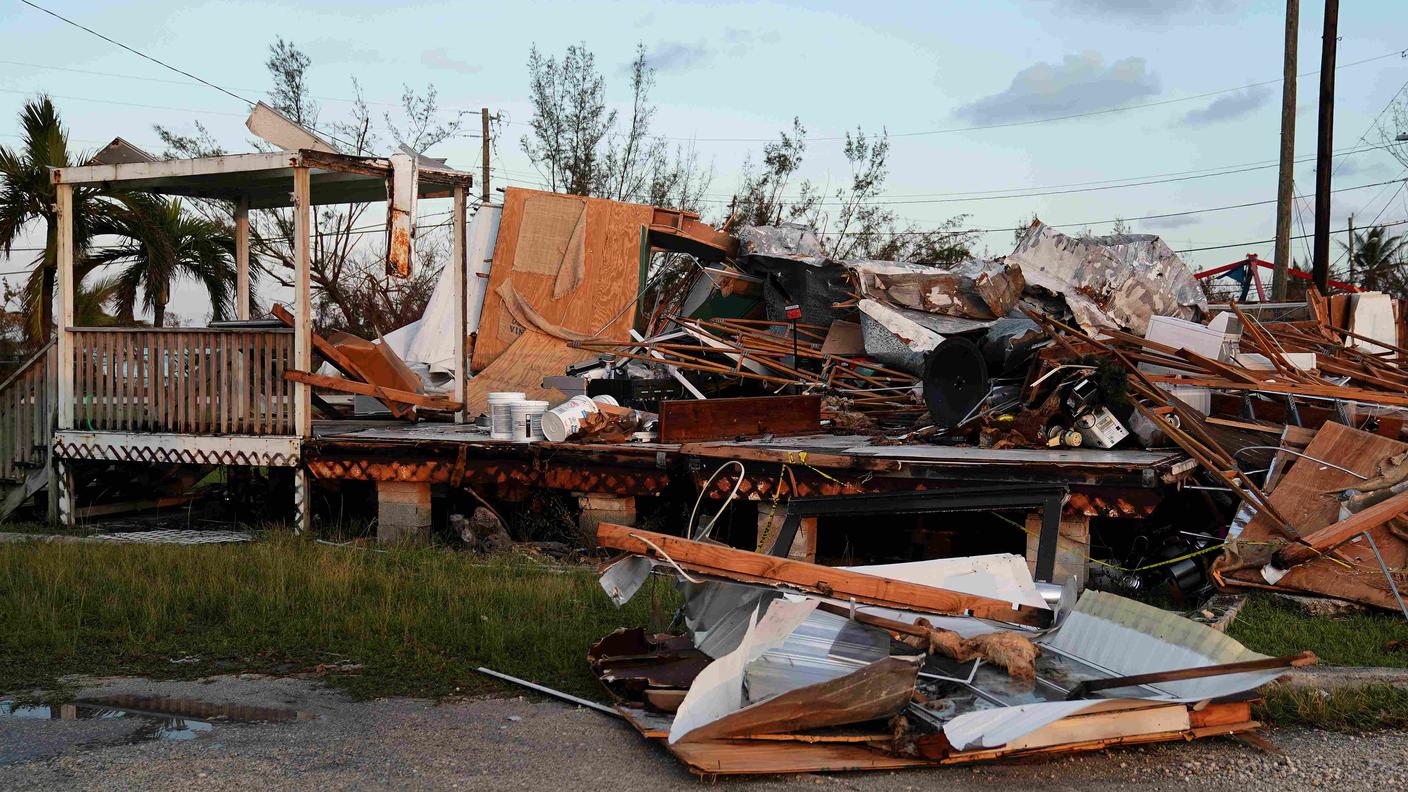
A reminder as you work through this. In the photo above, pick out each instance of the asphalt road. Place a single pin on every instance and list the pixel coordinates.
(492, 744)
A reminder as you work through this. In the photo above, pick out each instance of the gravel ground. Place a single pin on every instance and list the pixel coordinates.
(407, 744)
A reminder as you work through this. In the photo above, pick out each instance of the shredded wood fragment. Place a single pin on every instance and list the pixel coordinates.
(1008, 650)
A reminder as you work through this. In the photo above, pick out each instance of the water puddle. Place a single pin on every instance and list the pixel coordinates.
(161, 718)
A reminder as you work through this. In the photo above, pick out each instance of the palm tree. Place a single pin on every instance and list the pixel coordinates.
(161, 243)
(1378, 260)
(27, 194)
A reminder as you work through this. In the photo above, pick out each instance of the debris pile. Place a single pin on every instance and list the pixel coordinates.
(786, 666)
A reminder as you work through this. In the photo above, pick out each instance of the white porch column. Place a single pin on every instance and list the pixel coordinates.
(242, 258)
(302, 301)
(60, 480)
(64, 290)
(302, 339)
(457, 260)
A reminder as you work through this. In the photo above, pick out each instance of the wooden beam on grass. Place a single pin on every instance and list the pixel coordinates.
(749, 567)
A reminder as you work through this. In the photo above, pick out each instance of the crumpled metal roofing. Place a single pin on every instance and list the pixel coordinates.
(1111, 281)
(1128, 637)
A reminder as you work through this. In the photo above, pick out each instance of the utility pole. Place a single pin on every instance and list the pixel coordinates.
(1323, 171)
(1281, 257)
(1350, 249)
(484, 132)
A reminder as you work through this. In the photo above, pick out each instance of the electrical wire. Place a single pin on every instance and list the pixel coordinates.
(704, 533)
(138, 53)
(1266, 241)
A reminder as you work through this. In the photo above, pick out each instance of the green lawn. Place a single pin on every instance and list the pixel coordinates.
(1275, 627)
(419, 621)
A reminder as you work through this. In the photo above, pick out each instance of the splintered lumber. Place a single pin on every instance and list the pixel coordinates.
(724, 419)
(1089, 686)
(365, 389)
(1326, 538)
(345, 365)
(749, 567)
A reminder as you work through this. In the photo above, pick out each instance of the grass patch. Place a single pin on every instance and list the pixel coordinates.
(418, 620)
(1350, 708)
(1275, 627)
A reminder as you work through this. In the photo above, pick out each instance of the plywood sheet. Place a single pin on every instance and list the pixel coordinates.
(521, 367)
(551, 233)
(1307, 497)
(590, 299)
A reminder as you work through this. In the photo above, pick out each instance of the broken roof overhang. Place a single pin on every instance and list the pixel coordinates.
(265, 178)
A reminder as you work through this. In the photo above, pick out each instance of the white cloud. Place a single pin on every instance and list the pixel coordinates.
(1080, 83)
(1142, 10)
(440, 58)
(1229, 106)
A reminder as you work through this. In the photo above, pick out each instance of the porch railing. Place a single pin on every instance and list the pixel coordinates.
(185, 381)
(27, 418)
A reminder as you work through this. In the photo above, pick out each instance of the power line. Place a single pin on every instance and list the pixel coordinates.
(1164, 215)
(126, 104)
(1267, 241)
(138, 52)
(1038, 194)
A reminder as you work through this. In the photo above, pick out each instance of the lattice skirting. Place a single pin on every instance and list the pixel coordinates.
(178, 449)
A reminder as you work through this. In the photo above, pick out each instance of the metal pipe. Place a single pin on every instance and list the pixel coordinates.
(1387, 576)
(1300, 454)
(549, 691)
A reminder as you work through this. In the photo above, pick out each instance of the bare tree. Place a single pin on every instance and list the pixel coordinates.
(353, 292)
(570, 120)
(420, 130)
(761, 198)
(863, 226)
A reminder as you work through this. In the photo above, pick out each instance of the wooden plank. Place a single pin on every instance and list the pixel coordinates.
(696, 420)
(351, 386)
(1105, 726)
(1199, 672)
(1322, 540)
(828, 581)
(1307, 497)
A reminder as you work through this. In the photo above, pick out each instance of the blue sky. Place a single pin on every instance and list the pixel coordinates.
(741, 71)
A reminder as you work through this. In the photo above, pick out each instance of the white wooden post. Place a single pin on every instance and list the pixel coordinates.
(63, 365)
(457, 260)
(302, 300)
(242, 258)
(64, 315)
(302, 339)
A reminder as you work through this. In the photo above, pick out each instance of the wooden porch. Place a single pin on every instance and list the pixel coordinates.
(218, 395)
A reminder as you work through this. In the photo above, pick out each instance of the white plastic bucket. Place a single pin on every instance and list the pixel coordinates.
(565, 420)
(528, 420)
(501, 413)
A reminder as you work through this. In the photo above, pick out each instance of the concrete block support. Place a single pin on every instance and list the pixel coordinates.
(597, 509)
(402, 512)
(770, 524)
(1072, 548)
